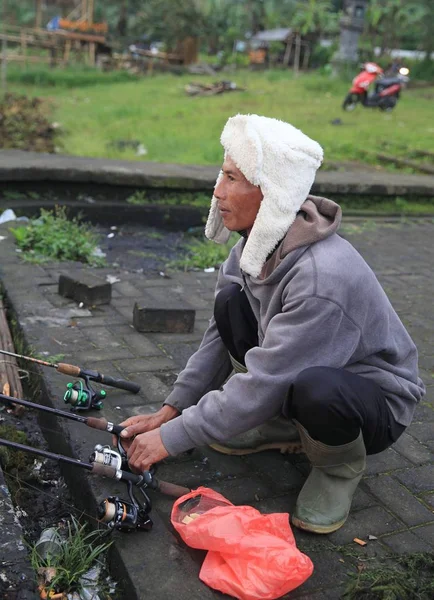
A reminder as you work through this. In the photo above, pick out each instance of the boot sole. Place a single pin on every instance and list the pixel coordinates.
(284, 447)
(322, 529)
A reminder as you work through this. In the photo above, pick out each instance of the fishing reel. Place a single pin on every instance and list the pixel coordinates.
(124, 515)
(82, 396)
(112, 458)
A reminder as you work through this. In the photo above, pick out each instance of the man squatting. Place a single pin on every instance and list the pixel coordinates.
(319, 356)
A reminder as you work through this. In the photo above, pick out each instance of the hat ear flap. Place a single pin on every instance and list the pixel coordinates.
(215, 229)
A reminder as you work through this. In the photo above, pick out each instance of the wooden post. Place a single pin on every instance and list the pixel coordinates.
(90, 6)
(89, 19)
(297, 54)
(4, 51)
(38, 16)
(10, 383)
(287, 55)
(66, 52)
(24, 46)
(306, 56)
(92, 47)
(83, 10)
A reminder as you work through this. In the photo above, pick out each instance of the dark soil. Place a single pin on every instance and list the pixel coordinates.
(36, 485)
(142, 249)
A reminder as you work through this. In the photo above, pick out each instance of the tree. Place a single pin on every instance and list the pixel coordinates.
(388, 22)
(315, 17)
(171, 22)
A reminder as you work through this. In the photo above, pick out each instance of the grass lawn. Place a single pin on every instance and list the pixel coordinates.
(176, 128)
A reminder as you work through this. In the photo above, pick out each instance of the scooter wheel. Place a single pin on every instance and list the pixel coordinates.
(350, 102)
(387, 105)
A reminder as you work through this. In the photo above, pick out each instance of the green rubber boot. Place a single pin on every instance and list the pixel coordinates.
(325, 499)
(276, 434)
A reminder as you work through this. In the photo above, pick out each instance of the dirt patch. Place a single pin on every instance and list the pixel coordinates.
(36, 484)
(141, 249)
(24, 124)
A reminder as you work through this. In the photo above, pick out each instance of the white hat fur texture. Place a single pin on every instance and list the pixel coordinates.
(282, 161)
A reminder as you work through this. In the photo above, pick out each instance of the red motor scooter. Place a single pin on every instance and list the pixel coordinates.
(386, 92)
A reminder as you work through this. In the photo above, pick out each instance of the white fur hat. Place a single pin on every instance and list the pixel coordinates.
(282, 161)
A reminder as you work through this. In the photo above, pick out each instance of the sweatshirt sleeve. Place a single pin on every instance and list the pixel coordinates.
(310, 332)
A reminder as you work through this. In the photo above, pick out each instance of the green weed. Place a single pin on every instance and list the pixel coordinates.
(79, 551)
(53, 236)
(202, 254)
(155, 235)
(52, 358)
(139, 197)
(411, 579)
(70, 77)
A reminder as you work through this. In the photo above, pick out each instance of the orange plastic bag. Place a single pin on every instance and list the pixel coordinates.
(251, 556)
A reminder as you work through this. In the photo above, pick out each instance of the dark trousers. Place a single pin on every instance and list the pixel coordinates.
(334, 405)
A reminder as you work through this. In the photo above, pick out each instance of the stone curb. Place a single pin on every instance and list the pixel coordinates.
(19, 166)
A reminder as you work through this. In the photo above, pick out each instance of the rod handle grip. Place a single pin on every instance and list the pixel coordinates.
(67, 369)
(121, 384)
(171, 489)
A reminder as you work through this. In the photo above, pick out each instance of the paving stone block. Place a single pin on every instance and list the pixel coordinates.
(126, 288)
(399, 500)
(102, 338)
(140, 344)
(429, 499)
(405, 543)
(242, 490)
(124, 301)
(96, 355)
(386, 461)
(94, 321)
(328, 571)
(164, 317)
(152, 388)
(413, 450)
(282, 504)
(180, 352)
(86, 287)
(426, 533)
(418, 480)
(278, 468)
(142, 365)
(362, 500)
(173, 338)
(201, 470)
(369, 521)
(423, 432)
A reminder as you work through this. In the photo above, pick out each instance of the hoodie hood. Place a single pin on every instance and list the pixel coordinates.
(317, 219)
(282, 161)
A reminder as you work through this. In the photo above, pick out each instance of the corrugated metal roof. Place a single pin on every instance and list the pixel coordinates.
(272, 35)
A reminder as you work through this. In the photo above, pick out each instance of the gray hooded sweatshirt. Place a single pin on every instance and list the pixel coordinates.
(317, 303)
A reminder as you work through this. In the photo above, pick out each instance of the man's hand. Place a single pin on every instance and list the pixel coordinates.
(145, 450)
(143, 423)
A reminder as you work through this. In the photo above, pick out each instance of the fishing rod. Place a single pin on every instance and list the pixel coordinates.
(82, 396)
(116, 513)
(93, 422)
(105, 454)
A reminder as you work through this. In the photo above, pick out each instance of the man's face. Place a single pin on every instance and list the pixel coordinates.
(238, 200)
